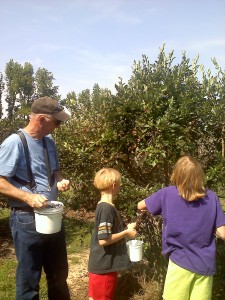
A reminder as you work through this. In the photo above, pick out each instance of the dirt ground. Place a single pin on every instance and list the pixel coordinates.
(78, 276)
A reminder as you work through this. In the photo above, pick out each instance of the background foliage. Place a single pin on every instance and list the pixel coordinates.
(165, 110)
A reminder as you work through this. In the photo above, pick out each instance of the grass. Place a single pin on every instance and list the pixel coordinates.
(78, 238)
(136, 284)
(7, 279)
(78, 235)
(8, 266)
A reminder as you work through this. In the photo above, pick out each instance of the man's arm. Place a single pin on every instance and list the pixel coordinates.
(10, 191)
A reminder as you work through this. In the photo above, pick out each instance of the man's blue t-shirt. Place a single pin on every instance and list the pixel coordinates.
(189, 228)
(13, 162)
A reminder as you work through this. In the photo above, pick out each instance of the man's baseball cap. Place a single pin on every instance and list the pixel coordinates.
(47, 105)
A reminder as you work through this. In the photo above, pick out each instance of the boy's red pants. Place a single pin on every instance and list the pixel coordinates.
(102, 286)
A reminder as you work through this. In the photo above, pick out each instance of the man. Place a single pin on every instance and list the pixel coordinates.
(35, 250)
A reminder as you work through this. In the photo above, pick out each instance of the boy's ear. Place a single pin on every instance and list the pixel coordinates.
(114, 186)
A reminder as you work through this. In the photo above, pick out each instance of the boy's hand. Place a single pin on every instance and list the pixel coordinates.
(132, 225)
(131, 231)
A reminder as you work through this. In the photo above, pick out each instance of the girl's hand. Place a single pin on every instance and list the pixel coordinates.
(141, 205)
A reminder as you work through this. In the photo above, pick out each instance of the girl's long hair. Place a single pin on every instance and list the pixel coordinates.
(188, 177)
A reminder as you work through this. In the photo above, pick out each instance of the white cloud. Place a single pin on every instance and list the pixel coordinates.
(37, 62)
(204, 44)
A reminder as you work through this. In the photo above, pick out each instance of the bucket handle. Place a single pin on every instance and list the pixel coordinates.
(136, 238)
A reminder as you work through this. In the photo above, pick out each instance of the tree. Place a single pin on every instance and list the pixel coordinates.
(70, 102)
(213, 145)
(158, 115)
(153, 117)
(22, 87)
(2, 87)
(13, 73)
(44, 84)
(27, 84)
(165, 110)
(80, 141)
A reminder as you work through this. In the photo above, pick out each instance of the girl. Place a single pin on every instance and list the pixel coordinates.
(191, 215)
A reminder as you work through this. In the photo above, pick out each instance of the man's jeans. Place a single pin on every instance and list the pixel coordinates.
(34, 251)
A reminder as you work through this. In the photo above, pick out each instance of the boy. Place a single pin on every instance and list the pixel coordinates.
(108, 253)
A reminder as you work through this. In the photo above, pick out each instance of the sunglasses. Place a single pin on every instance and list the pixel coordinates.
(57, 122)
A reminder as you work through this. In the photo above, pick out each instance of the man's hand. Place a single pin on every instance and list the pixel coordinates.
(63, 185)
(36, 200)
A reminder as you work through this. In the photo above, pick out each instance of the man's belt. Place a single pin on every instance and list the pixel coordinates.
(24, 209)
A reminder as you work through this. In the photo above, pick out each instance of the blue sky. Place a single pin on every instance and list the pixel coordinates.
(83, 42)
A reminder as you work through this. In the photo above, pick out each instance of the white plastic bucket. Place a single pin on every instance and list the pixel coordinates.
(135, 250)
(49, 218)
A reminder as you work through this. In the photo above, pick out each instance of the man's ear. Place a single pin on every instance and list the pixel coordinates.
(41, 118)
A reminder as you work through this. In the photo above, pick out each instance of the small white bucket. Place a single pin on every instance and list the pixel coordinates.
(135, 250)
(48, 219)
